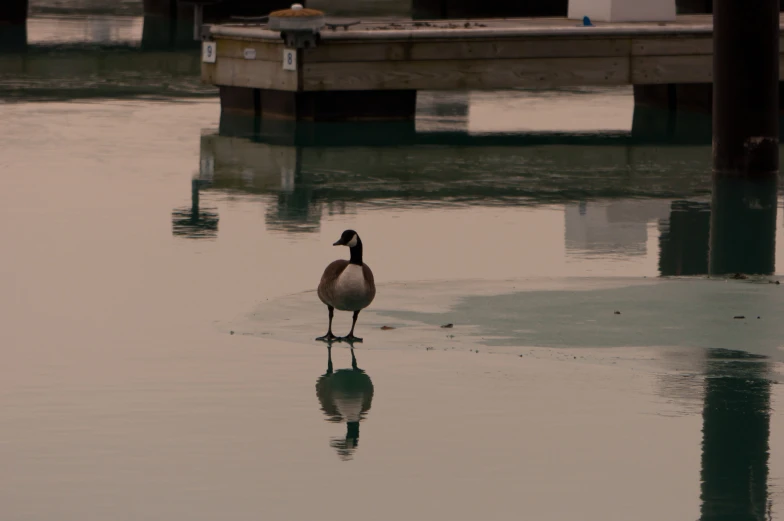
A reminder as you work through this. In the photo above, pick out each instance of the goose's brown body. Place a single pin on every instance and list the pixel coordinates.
(346, 286)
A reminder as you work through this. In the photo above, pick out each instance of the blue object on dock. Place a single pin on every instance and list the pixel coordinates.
(587, 22)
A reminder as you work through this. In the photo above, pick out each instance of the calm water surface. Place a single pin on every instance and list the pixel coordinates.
(156, 288)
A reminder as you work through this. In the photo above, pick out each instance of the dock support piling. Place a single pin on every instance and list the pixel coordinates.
(745, 87)
(13, 25)
(376, 105)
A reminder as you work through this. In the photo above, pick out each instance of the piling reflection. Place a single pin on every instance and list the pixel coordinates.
(736, 435)
(195, 222)
(345, 396)
(743, 225)
(684, 239)
(733, 234)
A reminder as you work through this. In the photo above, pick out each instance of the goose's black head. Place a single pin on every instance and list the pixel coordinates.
(351, 239)
(348, 238)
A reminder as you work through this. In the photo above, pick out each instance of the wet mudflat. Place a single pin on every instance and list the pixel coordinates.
(139, 235)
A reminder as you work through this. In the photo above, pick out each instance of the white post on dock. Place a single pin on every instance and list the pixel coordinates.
(623, 10)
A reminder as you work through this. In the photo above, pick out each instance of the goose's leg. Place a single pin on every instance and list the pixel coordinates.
(353, 359)
(350, 337)
(329, 336)
(329, 358)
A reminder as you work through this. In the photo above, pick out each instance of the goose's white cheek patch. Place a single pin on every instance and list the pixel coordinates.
(352, 242)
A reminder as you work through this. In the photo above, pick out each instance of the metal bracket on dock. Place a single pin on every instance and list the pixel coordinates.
(345, 25)
(300, 39)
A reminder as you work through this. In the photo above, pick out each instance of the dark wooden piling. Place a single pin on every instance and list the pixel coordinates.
(745, 87)
(13, 24)
(13, 12)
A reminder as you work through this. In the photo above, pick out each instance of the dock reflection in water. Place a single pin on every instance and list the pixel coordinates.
(615, 186)
(94, 58)
(339, 166)
(612, 188)
(345, 396)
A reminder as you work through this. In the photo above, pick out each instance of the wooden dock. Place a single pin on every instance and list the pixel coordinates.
(456, 55)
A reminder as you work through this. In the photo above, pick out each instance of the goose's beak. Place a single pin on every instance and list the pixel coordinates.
(337, 243)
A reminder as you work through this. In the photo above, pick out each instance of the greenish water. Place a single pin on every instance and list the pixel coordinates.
(157, 293)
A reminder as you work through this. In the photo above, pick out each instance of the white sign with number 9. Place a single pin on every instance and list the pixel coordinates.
(209, 52)
(289, 59)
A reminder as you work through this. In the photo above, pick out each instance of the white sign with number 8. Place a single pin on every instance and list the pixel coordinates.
(289, 59)
(209, 51)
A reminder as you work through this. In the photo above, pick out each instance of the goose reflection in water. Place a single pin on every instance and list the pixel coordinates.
(345, 395)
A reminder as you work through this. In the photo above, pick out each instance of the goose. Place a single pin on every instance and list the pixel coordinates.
(347, 285)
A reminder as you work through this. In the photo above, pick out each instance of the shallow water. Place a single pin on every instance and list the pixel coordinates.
(156, 288)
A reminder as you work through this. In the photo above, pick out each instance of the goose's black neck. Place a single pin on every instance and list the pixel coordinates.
(356, 253)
